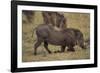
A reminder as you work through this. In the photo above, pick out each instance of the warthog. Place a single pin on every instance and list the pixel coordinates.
(68, 37)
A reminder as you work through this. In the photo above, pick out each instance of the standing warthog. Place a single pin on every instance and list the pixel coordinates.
(68, 37)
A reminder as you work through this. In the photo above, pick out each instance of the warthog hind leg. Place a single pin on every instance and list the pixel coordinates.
(46, 47)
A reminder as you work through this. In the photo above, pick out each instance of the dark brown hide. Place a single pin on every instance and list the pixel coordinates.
(68, 37)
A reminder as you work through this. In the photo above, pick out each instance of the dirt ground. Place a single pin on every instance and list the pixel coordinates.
(79, 21)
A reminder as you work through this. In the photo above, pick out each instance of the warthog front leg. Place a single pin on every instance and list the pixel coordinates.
(63, 48)
(71, 48)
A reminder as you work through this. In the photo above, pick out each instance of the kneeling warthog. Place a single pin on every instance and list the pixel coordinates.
(68, 37)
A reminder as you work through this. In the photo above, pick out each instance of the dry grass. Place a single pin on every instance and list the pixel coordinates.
(80, 21)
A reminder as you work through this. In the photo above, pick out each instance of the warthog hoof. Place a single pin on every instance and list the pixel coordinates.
(35, 53)
(50, 52)
(57, 51)
(71, 50)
